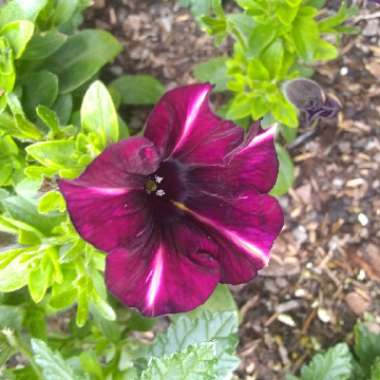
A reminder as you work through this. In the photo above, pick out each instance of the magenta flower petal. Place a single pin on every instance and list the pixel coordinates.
(244, 228)
(183, 126)
(107, 203)
(251, 166)
(170, 274)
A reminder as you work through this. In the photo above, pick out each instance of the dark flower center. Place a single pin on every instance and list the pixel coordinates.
(165, 186)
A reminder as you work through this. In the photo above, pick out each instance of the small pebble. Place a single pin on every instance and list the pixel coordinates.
(363, 220)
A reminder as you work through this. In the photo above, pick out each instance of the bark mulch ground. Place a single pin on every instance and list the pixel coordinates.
(325, 268)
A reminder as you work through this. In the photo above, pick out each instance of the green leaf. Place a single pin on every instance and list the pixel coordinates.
(138, 89)
(14, 275)
(213, 71)
(330, 24)
(40, 88)
(11, 317)
(375, 370)
(64, 107)
(195, 363)
(198, 7)
(285, 177)
(51, 201)
(44, 45)
(367, 345)
(21, 10)
(257, 70)
(221, 300)
(81, 57)
(305, 34)
(90, 364)
(288, 133)
(325, 51)
(52, 364)
(49, 118)
(64, 10)
(58, 154)
(261, 36)
(286, 13)
(98, 114)
(18, 33)
(273, 57)
(25, 211)
(284, 111)
(240, 107)
(218, 327)
(260, 107)
(26, 130)
(39, 280)
(7, 69)
(333, 364)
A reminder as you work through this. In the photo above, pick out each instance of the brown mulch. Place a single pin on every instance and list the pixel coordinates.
(325, 268)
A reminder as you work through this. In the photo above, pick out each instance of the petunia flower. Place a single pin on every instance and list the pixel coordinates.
(181, 208)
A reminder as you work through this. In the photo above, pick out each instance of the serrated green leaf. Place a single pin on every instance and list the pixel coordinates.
(218, 327)
(285, 177)
(98, 114)
(332, 364)
(197, 362)
(213, 71)
(138, 89)
(54, 367)
(367, 346)
(81, 57)
(18, 33)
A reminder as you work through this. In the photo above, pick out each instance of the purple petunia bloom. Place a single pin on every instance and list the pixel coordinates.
(181, 208)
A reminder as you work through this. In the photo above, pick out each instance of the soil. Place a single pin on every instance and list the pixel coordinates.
(325, 267)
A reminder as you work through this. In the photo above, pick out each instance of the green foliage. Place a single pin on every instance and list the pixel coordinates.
(217, 327)
(285, 177)
(81, 57)
(54, 367)
(333, 364)
(213, 71)
(339, 363)
(275, 41)
(137, 89)
(194, 363)
(367, 346)
(99, 114)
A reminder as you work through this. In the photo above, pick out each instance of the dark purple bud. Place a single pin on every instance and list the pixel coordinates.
(311, 100)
